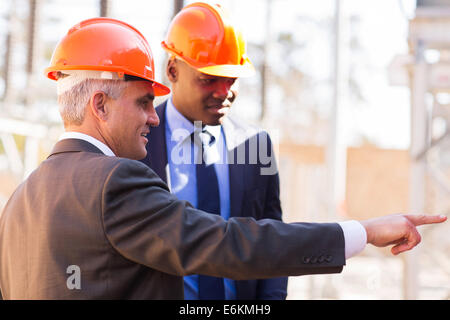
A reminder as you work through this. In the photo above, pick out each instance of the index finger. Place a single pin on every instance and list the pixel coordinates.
(420, 219)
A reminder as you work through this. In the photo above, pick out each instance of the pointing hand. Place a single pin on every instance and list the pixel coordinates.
(398, 230)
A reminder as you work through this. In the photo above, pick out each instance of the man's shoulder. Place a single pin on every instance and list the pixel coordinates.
(125, 164)
(95, 161)
(128, 174)
(117, 171)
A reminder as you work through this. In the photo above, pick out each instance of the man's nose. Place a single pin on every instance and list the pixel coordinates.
(153, 119)
(222, 89)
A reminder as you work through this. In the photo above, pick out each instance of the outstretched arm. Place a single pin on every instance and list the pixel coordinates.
(398, 230)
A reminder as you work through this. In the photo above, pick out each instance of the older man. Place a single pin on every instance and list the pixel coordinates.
(91, 223)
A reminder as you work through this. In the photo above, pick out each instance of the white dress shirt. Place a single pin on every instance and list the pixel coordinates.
(78, 135)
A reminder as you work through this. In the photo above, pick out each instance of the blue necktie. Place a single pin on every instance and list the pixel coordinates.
(208, 199)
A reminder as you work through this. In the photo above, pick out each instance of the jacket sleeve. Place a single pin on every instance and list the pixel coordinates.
(148, 225)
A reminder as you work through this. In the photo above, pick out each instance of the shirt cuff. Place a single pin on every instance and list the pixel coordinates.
(355, 237)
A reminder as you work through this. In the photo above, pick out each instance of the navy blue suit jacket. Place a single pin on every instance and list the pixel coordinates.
(252, 194)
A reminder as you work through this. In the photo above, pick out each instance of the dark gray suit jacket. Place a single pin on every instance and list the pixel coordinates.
(116, 221)
(252, 194)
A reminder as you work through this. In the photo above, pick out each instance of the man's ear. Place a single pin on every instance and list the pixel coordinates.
(97, 104)
(172, 70)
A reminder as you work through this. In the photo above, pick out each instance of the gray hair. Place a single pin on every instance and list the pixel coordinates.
(72, 103)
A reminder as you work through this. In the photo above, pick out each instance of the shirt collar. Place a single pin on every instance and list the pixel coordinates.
(78, 135)
(175, 120)
(214, 130)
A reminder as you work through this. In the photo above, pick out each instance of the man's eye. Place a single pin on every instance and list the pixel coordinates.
(207, 81)
(144, 104)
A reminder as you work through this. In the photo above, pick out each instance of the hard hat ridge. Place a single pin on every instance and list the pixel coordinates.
(205, 37)
(105, 44)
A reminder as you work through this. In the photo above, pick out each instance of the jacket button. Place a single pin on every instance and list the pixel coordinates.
(306, 259)
(328, 258)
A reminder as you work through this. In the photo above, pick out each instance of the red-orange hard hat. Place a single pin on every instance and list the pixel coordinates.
(204, 37)
(105, 44)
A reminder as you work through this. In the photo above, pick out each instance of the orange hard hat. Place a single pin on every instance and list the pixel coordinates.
(105, 44)
(204, 37)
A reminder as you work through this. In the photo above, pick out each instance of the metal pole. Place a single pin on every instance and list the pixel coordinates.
(419, 134)
(32, 50)
(331, 155)
(105, 8)
(264, 66)
(334, 164)
(9, 94)
(7, 66)
(177, 6)
(31, 36)
(335, 149)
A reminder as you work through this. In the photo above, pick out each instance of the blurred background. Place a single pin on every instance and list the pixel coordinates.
(355, 94)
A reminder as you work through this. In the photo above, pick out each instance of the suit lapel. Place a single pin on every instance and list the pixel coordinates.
(157, 145)
(236, 171)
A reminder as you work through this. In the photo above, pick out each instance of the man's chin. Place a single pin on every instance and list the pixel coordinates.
(137, 155)
(215, 116)
(215, 120)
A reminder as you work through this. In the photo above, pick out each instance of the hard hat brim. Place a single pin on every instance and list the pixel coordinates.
(158, 88)
(229, 70)
(245, 69)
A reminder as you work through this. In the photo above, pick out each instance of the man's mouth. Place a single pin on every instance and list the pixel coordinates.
(145, 133)
(220, 105)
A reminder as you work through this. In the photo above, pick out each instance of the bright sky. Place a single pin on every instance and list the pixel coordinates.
(381, 30)
(385, 117)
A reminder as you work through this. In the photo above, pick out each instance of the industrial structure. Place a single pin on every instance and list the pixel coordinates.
(28, 128)
(429, 41)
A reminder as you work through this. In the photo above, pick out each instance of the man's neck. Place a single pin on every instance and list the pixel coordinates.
(91, 136)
